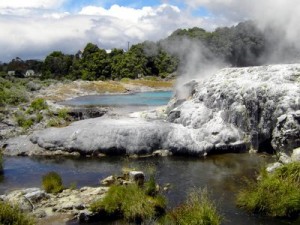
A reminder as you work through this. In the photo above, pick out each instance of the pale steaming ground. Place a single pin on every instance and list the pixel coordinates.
(32, 29)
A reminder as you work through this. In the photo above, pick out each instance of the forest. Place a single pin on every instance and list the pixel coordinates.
(240, 45)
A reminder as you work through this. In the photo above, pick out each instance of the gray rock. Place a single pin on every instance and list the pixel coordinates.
(271, 168)
(108, 181)
(286, 134)
(137, 177)
(296, 155)
(162, 153)
(284, 158)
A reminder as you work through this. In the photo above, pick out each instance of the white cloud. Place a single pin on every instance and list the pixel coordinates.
(36, 33)
(16, 4)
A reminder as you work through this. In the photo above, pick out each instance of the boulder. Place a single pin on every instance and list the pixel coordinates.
(296, 155)
(137, 177)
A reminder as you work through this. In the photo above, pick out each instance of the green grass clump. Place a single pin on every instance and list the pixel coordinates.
(10, 215)
(52, 183)
(276, 194)
(24, 122)
(38, 105)
(129, 201)
(197, 210)
(63, 113)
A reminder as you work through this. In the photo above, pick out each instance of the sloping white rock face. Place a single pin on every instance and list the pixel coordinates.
(254, 105)
(235, 109)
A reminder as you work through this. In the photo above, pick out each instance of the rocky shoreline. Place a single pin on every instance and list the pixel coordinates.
(237, 109)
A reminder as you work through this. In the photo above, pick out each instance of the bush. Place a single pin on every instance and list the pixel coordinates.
(10, 215)
(129, 201)
(63, 113)
(52, 183)
(197, 210)
(276, 194)
(38, 104)
(24, 122)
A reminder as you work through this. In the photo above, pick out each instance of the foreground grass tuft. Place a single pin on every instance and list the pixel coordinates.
(52, 183)
(10, 215)
(197, 210)
(276, 194)
(130, 202)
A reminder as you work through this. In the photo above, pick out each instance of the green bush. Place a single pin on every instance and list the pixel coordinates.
(129, 201)
(24, 122)
(63, 113)
(150, 186)
(10, 215)
(12, 93)
(197, 210)
(276, 194)
(52, 183)
(38, 104)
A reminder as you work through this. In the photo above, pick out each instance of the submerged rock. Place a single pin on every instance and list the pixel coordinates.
(237, 109)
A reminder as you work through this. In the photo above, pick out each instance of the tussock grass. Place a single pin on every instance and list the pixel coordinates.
(276, 194)
(131, 202)
(52, 183)
(197, 210)
(12, 215)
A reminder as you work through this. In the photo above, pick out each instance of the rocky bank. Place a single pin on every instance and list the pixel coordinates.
(236, 109)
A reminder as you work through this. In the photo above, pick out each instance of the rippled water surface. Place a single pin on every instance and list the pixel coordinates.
(222, 174)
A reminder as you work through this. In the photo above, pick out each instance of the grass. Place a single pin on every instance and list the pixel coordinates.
(131, 202)
(11, 215)
(276, 194)
(38, 104)
(197, 210)
(149, 83)
(52, 183)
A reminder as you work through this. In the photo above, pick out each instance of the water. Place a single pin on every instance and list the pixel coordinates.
(154, 98)
(221, 174)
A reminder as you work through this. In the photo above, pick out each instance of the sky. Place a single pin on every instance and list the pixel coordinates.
(32, 29)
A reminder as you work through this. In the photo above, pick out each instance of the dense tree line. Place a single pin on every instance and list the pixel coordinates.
(240, 45)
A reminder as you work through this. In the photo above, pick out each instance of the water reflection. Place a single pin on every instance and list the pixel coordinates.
(221, 174)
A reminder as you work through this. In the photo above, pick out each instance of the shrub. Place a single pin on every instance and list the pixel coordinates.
(38, 104)
(63, 113)
(276, 194)
(150, 186)
(24, 122)
(129, 201)
(52, 183)
(197, 210)
(13, 216)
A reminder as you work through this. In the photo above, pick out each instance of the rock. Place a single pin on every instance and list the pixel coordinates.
(284, 158)
(137, 177)
(81, 113)
(44, 205)
(271, 168)
(286, 134)
(296, 155)
(108, 181)
(162, 153)
(234, 110)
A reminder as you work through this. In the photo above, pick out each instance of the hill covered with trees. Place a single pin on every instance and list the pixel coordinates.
(240, 45)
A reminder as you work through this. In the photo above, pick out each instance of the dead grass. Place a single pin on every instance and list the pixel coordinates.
(150, 83)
